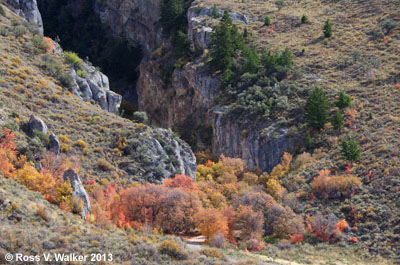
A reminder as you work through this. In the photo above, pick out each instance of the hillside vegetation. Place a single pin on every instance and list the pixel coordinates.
(329, 70)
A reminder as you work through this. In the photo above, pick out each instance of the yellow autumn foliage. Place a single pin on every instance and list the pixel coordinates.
(33, 180)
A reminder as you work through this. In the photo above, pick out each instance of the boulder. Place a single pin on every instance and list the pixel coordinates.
(37, 124)
(99, 95)
(114, 101)
(54, 145)
(78, 190)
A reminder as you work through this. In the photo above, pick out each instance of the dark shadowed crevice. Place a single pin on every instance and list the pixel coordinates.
(77, 28)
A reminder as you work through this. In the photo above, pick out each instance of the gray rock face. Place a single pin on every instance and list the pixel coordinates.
(138, 19)
(78, 190)
(193, 91)
(198, 31)
(95, 86)
(204, 11)
(54, 145)
(37, 124)
(258, 146)
(28, 10)
(185, 159)
(156, 154)
(113, 101)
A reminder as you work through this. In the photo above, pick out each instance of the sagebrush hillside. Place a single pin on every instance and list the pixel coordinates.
(334, 200)
(361, 58)
(33, 82)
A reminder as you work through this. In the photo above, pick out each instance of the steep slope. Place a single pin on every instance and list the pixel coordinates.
(361, 58)
(28, 86)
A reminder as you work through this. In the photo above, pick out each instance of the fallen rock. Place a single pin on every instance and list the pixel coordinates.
(78, 191)
(54, 145)
(114, 101)
(37, 124)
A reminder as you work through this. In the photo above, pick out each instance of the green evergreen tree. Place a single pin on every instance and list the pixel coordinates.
(317, 108)
(226, 78)
(343, 101)
(327, 29)
(308, 142)
(251, 60)
(267, 21)
(277, 64)
(337, 120)
(304, 19)
(350, 149)
(172, 13)
(225, 41)
(245, 33)
(215, 12)
(285, 59)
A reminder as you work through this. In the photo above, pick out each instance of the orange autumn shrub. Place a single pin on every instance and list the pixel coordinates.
(342, 225)
(182, 182)
(170, 210)
(6, 167)
(296, 238)
(331, 186)
(7, 153)
(211, 221)
(230, 215)
(102, 201)
(7, 141)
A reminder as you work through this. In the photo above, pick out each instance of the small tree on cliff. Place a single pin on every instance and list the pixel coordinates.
(225, 40)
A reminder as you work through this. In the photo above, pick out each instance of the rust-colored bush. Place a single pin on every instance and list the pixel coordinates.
(181, 182)
(296, 238)
(210, 222)
(331, 186)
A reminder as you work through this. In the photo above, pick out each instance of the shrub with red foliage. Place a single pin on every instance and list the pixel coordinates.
(181, 182)
(90, 182)
(342, 225)
(104, 207)
(353, 240)
(210, 222)
(229, 214)
(55, 165)
(50, 198)
(255, 244)
(324, 227)
(296, 238)
(331, 186)
(7, 141)
(172, 209)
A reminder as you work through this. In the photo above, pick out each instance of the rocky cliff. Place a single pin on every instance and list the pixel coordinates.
(137, 19)
(188, 91)
(95, 86)
(259, 145)
(27, 9)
